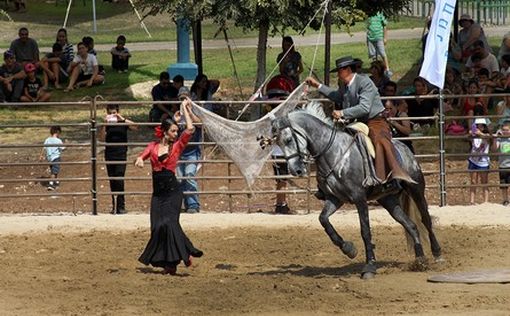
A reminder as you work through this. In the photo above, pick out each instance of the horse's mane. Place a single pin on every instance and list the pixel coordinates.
(314, 108)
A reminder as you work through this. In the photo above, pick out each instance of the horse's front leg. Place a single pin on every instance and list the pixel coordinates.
(330, 207)
(370, 269)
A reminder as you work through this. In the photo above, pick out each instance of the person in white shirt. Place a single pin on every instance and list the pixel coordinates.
(487, 60)
(84, 70)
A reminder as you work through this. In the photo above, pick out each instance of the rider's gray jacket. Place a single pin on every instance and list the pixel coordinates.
(358, 100)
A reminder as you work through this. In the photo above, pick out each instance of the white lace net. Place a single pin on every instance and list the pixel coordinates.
(239, 139)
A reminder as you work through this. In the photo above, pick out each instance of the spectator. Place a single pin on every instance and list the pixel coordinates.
(505, 66)
(11, 76)
(487, 86)
(51, 66)
(67, 51)
(502, 145)
(203, 89)
(84, 70)
(479, 163)
(89, 43)
(503, 109)
(190, 156)
(400, 128)
(20, 6)
(453, 85)
(163, 91)
(25, 49)
(178, 83)
(377, 31)
(504, 49)
(488, 60)
(290, 61)
(120, 55)
(52, 151)
(469, 103)
(422, 107)
(378, 75)
(116, 133)
(469, 34)
(33, 91)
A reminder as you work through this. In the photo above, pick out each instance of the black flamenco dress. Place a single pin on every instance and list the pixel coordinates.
(168, 244)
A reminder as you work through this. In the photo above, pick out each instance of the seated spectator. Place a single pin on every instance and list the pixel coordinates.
(51, 66)
(454, 55)
(120, 55)
(378, 75)
(32, 88)
(390, 89)
(505, 65)
(89, 43)
(178, 83)
(291, 64)
(203, 89)
(401, 128)
(487, 60)
(503, 108)
(504, 49)
(453, 85)
(67, 51)
(487, 86)
(163, 91)
(11, 77)
(469, 103)
(422, 107)
(469, 34)
(25, 49)
(84, 70)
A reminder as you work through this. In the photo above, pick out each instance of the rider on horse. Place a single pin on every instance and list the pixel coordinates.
(359, 100)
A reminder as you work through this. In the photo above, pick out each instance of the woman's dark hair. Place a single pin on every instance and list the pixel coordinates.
(121, 38)
(166, 123)
(194, 87)
(63, 30)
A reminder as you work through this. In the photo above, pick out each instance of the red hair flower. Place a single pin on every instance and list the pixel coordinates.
(158, 132)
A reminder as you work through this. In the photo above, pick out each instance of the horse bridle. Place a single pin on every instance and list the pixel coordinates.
(286, 124)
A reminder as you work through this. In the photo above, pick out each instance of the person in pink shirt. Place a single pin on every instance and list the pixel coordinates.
(168, 244)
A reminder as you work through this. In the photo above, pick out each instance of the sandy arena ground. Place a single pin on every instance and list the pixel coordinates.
(257, 264)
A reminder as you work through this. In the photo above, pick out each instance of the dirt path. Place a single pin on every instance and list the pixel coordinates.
(254, 264)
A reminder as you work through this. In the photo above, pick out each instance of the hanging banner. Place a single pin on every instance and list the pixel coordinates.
(436, 49)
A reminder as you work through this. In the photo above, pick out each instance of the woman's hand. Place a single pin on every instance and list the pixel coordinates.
(139, 162)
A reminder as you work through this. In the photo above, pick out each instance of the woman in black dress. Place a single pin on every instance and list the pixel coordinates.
(168, 244)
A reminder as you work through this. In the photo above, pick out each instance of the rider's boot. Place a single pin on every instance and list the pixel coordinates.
(389, 187)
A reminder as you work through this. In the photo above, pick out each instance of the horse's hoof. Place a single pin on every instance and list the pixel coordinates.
(367, 275)
(439, 259)
(420, 264)
(349, 249)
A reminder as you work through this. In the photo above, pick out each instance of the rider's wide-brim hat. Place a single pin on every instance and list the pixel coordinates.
(344, 62)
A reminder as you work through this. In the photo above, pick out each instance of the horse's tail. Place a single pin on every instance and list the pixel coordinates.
(411, 209)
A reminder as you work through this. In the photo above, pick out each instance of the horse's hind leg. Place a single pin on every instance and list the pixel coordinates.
(418, 196)
(330, 207)
(391, 203)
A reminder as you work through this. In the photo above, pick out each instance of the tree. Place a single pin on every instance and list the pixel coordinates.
(271, 16)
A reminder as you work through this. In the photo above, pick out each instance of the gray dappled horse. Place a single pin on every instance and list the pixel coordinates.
(340, 175)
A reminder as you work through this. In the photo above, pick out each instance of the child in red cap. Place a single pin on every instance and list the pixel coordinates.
(32, 90)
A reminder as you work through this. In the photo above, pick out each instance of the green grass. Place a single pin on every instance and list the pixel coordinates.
(43, 19)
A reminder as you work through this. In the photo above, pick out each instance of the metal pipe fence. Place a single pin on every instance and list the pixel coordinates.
(229, 183)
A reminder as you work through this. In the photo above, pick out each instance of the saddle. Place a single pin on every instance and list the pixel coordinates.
(367, 150)
(362, 129)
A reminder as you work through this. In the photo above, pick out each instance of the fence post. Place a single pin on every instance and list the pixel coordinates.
(442, 165)
(93, 156)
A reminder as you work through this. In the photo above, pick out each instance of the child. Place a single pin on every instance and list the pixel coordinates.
(53, 154)
(89, 43)
(50, 65)
(84, 70)
(479, 164)
(32, 88)
(502, 144)
(120, 55)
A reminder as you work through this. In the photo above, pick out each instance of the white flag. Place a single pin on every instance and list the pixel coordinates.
(436, 49)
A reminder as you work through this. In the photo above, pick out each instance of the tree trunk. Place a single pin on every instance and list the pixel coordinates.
(261, 53)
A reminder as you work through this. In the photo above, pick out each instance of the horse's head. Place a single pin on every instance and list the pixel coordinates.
(292, 144)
